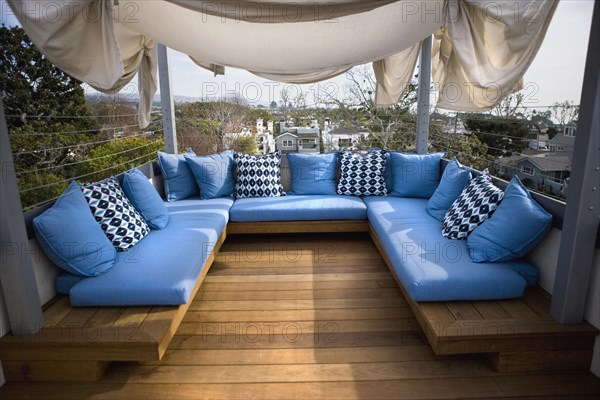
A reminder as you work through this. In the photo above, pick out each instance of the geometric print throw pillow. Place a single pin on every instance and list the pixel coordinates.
(258, 176)
(362, 175)
(474, 205)
(119, 220)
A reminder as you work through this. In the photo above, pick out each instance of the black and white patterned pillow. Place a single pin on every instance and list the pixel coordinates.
(474, 205)
(362, 175)
(258, 176)
(119, 220)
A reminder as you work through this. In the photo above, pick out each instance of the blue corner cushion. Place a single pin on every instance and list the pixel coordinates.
(144, 197)
(433, 268)
(313, 173)
(71, 238)
(163, 268)
(213, 174)
(178, 177)
(454, 180)
(298, 208)
(514, 229)
(415, 175)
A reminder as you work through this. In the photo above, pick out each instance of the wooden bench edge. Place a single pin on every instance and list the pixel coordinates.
(312, 226)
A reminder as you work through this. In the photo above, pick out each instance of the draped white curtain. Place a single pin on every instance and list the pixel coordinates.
(481, 47)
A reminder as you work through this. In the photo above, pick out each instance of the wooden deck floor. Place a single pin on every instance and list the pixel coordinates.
(297, 316)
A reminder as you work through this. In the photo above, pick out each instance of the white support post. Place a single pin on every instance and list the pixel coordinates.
(423, 96)
(166, 101)
(581, 222)
(16, 267)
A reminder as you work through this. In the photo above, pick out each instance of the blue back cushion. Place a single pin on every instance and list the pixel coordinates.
(213, 174)
(179, 180)
(415, 175)
(514, 229)
(71, 237)
(454, 180)
(144, 197)
(313, 173)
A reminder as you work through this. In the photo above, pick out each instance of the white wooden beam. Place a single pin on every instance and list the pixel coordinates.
(166, 101)
(16, 266)
(424, 96)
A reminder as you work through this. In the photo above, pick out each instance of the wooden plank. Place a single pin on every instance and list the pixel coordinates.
(295, 270)
(276, 266)
(542, 360)
(297, 304)
(297, 356)
(305, 285)
(300, 277)
(539, 301)
(77, 317)
(548, 386)
(463, 310)
(490, 310)
(252, 330)
(290, 373)
(298, 294)
(56, 313)
(297, 227)
(518, 309)
(32, 371)
(296, 339)
(298, 315)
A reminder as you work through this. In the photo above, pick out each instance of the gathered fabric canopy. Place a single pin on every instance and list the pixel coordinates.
(481, 48)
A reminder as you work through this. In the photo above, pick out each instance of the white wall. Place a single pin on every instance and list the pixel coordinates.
(545, 257)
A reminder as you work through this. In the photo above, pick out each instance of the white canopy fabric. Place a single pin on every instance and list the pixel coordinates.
(482, 47)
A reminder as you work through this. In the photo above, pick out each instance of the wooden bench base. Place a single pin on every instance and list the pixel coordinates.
(346, 226)
(79, 343)
(516, 334)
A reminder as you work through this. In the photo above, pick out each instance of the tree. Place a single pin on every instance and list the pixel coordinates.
(47, 117)
(210, 127)
(392, 127)
(510, 107)
(564, 112)
(502, 136)
(53, 134)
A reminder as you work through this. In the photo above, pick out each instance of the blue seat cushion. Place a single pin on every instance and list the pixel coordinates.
(163, 268)
(415, 175)
(313, 173)
(71, 238)
(65, 282)
(298, 208)
(144, 197)
(433, 268)
(514, 229)
(178, 177)
(213, 174)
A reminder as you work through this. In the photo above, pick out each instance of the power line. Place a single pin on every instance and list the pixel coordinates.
(74, 116)
(85, 144)
(85, 175)
(100, 130)
(86, 160)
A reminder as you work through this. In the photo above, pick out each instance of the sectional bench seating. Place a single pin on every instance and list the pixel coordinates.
(150, 287)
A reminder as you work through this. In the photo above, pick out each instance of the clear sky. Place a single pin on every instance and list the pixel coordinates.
(555, 75)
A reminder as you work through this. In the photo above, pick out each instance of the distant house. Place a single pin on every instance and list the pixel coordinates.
(545, 171)
(565, 141)
(300, 140)
(287, 143)
(265, 142)
(343, 138)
